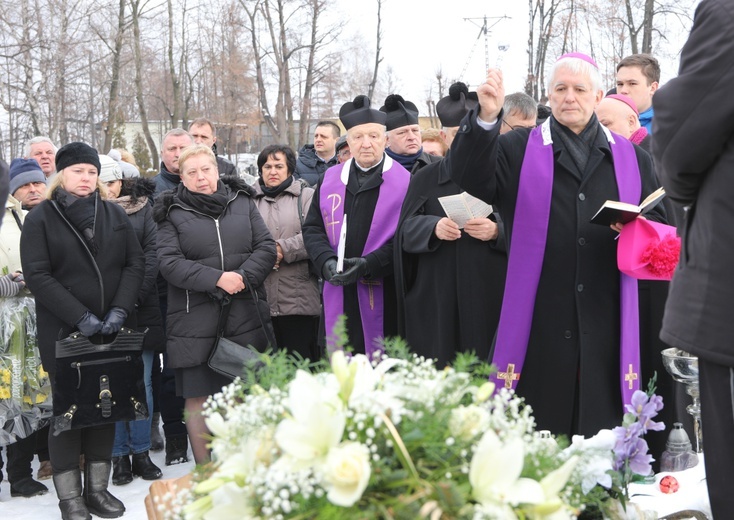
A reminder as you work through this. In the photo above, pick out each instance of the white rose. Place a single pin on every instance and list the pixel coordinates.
(347, 473)
(466, 422)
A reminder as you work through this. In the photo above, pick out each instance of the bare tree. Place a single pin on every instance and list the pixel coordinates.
(112, 108)
(378, 51)
(137, 7)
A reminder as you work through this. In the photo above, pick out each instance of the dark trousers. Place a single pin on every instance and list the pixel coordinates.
(155, 379)
(20, 456)
(298, 334)
(717, 425)
(95, 442)
(42, 444)
(171, 405)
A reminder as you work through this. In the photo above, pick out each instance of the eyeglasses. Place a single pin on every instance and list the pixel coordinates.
(528, 127)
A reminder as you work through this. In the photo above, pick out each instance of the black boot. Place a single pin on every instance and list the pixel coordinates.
(156, 441)
(121, 471)
(99, 501)
(176, 449)
(69, 490)
(144, 467)
(27, 487)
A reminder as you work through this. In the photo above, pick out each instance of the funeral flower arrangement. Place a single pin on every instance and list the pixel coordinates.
(24, 385)
(391, 438)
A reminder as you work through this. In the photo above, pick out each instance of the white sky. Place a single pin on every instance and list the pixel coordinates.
(421, 36)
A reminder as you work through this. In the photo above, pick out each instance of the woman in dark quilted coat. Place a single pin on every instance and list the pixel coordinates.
(212, 245)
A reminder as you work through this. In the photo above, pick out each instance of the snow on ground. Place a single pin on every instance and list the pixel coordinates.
(45, 507)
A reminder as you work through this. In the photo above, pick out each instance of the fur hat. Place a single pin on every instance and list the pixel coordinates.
(359, 112)
(452, 108)
(24, 171)
(76, 153)
(399, 112)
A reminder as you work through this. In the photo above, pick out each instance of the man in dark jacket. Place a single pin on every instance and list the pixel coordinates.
(562, 338)
(693, 148)
(203, 131)
(314, 159)
(172, 145)
(404, 134)
(171, 405)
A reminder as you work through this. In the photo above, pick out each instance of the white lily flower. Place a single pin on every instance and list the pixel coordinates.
(495, 473)
(229, 502)
(318, 419)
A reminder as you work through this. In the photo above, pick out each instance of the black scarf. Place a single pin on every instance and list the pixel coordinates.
(82, 213)
(277, 190)
(578, 145)
(406, 161)
(212, 205)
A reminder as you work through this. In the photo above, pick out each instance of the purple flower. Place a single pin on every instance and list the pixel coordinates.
(638, 457)
(631, 449)
(644, 408)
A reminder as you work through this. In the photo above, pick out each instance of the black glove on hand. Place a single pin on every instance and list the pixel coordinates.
(328, 271)
(89, 325)
(113, 321)
(354, 269)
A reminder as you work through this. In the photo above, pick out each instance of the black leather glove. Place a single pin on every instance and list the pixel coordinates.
(328, 271)
(354, 269)
(113, 321)
(89, 325)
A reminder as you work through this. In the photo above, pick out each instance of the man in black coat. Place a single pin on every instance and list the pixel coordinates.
(204, 132)
(559, 340)
(692, 146)
(172, 145)
(314, 159)
(447, 276)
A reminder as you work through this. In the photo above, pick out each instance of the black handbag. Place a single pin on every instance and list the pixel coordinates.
(229, 358)
(98, 384)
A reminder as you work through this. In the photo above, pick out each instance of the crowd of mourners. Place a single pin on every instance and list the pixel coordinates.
(352, 226)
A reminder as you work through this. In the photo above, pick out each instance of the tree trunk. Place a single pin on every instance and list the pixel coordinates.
(115, 82)
(378, 50)
(135, 4)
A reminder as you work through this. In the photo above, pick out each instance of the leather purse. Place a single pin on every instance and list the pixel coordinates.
(229, 358)
(98, 383)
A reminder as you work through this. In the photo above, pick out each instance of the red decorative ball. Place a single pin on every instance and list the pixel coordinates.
(669, 484)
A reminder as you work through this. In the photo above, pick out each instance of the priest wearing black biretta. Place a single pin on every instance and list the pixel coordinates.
(404, 134)
(349, 232)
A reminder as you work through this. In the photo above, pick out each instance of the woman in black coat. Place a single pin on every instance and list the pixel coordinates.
(212, 243)
(133, 437)
(84, 265)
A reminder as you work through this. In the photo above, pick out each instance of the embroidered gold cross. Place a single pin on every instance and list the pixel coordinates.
(370, 284)
(630, 376)
(509, 376)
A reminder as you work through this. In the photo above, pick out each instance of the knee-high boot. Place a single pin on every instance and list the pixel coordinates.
(99, 501)
(68, 486)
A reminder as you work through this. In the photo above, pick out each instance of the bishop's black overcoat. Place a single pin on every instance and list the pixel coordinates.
(571, 372)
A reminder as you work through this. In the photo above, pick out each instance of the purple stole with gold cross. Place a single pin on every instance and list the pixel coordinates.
(525, 262)
(370, 293)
